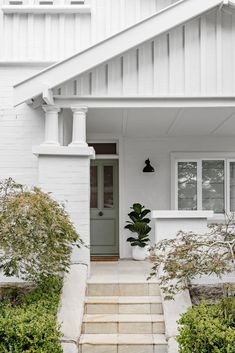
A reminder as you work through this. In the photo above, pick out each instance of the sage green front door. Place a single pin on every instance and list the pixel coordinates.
(104, 207)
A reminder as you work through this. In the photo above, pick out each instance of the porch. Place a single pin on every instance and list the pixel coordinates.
(195, 144)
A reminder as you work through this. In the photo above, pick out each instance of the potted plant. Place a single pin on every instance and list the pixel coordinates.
(139, 224)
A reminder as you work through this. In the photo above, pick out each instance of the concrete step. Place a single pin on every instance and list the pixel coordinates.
(123, 343)
(123, 323)
(123, 289)
(123, 305)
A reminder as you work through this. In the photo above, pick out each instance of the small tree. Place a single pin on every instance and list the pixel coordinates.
(180, 260)
(36, 234)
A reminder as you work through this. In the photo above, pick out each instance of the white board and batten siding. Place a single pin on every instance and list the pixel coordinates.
(195, 59)
(50, 37)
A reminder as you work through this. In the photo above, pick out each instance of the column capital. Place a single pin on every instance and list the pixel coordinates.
(79, 108)
(50, 108)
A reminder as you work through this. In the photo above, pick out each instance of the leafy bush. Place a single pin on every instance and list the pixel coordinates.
(36, 234)
(139, 225)
(30, 325)
(181, 259)
(208, 328)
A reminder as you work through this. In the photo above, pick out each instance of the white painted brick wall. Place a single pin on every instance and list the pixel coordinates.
(68, 178)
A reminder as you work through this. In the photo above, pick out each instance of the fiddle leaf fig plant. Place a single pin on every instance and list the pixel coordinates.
(139, 225)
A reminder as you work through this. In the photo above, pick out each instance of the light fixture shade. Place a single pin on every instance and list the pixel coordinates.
(148, 168)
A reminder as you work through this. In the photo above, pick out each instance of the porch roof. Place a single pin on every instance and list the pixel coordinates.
(161, 22)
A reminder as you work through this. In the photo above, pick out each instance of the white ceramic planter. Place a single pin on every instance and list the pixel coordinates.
(139, 253)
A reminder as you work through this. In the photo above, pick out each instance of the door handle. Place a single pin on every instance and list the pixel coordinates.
(100, 213)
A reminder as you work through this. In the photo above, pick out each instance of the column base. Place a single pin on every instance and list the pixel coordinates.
(78, 144)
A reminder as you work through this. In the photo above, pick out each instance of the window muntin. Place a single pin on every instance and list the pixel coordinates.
(201, 185)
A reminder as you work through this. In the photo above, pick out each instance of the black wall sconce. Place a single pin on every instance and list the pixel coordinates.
(148, 168)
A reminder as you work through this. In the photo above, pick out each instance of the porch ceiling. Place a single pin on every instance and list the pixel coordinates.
(160, 122)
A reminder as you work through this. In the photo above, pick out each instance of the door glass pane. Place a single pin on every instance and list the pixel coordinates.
(232, 186)
(94, 187)
(187, 185)
(213, 186)
(108, 186)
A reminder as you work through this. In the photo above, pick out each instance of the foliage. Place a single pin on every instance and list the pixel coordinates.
(139, 225)
(30, 325)
(206, 329)
(36, 234)
(189, 255)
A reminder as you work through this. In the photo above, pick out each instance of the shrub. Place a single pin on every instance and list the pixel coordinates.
(138, 225)
(30, 325)
(208, 328)
(36, 234)
(181, 259)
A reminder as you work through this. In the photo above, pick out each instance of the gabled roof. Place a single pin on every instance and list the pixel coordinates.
(163, 21)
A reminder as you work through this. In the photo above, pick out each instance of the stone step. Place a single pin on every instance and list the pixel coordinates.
(123, 343)
(123, 305)
(123, 289)
(123, 323)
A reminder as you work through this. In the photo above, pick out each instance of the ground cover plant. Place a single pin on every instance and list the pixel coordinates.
(28, 318)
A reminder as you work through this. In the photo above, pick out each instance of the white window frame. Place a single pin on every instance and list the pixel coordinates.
(198, 157)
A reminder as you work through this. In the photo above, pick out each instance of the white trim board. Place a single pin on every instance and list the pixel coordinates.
(161, 22)
(146, 102)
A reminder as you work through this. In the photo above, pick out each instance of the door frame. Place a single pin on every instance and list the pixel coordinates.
(119, 156)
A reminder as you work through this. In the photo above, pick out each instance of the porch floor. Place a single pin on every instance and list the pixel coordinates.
(122, 271)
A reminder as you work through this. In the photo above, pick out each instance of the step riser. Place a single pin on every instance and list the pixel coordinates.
(124, 308)
(86, 348)
(123, 289)
(123, 327)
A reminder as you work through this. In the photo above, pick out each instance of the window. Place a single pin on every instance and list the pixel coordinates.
(204, 184)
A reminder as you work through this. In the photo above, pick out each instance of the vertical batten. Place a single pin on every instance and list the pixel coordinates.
(47, 47)
(16, 33)
(219, 51)
(30, 37)
(77, 32)
(61, 36)
(192, 58)
(122, 14)
(233, 51)
(145, 69)
(227, 53)
(176, 61)
(161, 65)
(130, 73)
(202, 33)
(138, 13)
(114, 77)
(210, 55)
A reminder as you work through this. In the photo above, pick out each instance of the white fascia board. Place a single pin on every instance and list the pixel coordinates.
(46, 9)
(145, 102)
(143, 31)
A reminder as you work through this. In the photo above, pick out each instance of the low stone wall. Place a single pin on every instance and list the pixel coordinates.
(173, 309)
(71, 309)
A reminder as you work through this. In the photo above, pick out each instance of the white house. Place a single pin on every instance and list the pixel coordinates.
(130, 79)
(89, 90)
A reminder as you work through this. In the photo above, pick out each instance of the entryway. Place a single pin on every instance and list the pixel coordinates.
(104, 208)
